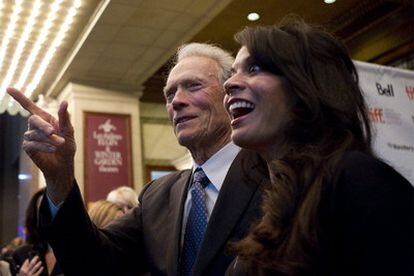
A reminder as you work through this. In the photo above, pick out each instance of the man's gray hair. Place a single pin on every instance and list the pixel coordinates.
(223, 58)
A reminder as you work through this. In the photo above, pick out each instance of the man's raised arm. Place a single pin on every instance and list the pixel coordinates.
(50, 144)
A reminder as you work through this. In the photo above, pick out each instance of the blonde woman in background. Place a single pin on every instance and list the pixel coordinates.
(124, 196)
(102, 212)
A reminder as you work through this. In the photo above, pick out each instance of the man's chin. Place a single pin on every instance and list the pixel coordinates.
(185, 140)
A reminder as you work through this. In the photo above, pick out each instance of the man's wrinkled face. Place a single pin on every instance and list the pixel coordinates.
(194, 99)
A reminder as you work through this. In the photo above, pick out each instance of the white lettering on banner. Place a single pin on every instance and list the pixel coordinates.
(105, 139)
(108, 160)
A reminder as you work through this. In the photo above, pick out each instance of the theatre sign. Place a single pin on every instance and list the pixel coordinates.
(107, 154)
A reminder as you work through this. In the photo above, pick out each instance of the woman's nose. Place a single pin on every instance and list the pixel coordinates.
(233, 85)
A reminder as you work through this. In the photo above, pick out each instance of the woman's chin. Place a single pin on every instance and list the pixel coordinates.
(243, 140)
(253, 142)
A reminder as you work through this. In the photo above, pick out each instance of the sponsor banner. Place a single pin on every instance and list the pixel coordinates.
(389, 93)
(108, 157)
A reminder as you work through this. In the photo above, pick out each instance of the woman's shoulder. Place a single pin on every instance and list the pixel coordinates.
(357, 168)
(362, 180)
(355, 159)
(370, 216)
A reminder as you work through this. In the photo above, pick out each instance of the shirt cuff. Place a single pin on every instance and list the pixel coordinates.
(52, 207)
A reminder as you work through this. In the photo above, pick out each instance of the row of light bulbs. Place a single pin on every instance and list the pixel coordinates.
(21, 79)
(254, 16)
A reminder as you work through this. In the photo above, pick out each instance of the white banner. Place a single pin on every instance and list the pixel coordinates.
(389, 93)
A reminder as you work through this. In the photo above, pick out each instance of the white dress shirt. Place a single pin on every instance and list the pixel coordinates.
(215, 168)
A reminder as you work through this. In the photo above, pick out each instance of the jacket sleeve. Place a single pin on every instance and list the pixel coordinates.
(82, 249)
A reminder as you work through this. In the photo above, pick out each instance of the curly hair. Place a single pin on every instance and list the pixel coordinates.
(329, 118)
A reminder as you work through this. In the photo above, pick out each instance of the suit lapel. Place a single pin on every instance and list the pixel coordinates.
(176, 209)
(234, 197)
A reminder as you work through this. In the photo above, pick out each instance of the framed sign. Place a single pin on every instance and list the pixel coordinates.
(107, 154)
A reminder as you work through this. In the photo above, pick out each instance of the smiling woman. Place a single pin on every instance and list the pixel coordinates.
(332, 207)
(252, 113)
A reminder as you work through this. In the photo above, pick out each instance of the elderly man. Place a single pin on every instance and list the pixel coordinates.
(186, 219)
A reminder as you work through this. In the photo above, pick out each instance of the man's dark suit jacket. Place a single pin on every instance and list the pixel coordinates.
(148, 239)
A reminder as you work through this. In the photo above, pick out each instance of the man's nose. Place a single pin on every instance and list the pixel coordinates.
(180, 99)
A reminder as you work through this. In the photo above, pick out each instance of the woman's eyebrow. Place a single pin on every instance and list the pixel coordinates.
(249, 60)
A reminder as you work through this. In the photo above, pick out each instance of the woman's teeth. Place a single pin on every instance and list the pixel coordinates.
(241, 104)
(241, 108)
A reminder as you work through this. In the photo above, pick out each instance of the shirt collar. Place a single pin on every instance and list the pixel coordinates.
(217, 166)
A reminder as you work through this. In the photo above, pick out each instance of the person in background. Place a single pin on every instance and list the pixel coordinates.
(7, 252)
(332, 207)
(35, 257)
(32, 267)
(103, 212)
(4, 268)
(124, 196)
(185, 219)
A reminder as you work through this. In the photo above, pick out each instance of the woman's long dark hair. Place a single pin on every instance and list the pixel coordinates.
(328, 119)
(33, 236)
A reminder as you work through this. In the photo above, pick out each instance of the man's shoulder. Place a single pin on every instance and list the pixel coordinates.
(166, 183)
(170, 178)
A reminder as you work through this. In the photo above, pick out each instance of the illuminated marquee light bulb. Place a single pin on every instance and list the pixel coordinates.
(77, 4)
(48, 23)
(9, 34)
(21, 45)
(253, 16)
(52, 50)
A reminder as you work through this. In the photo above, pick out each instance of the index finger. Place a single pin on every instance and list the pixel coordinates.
(27, 104)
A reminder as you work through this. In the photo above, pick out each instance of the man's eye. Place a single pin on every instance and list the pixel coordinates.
(255, 69)
(193, 86)
(169, 97)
